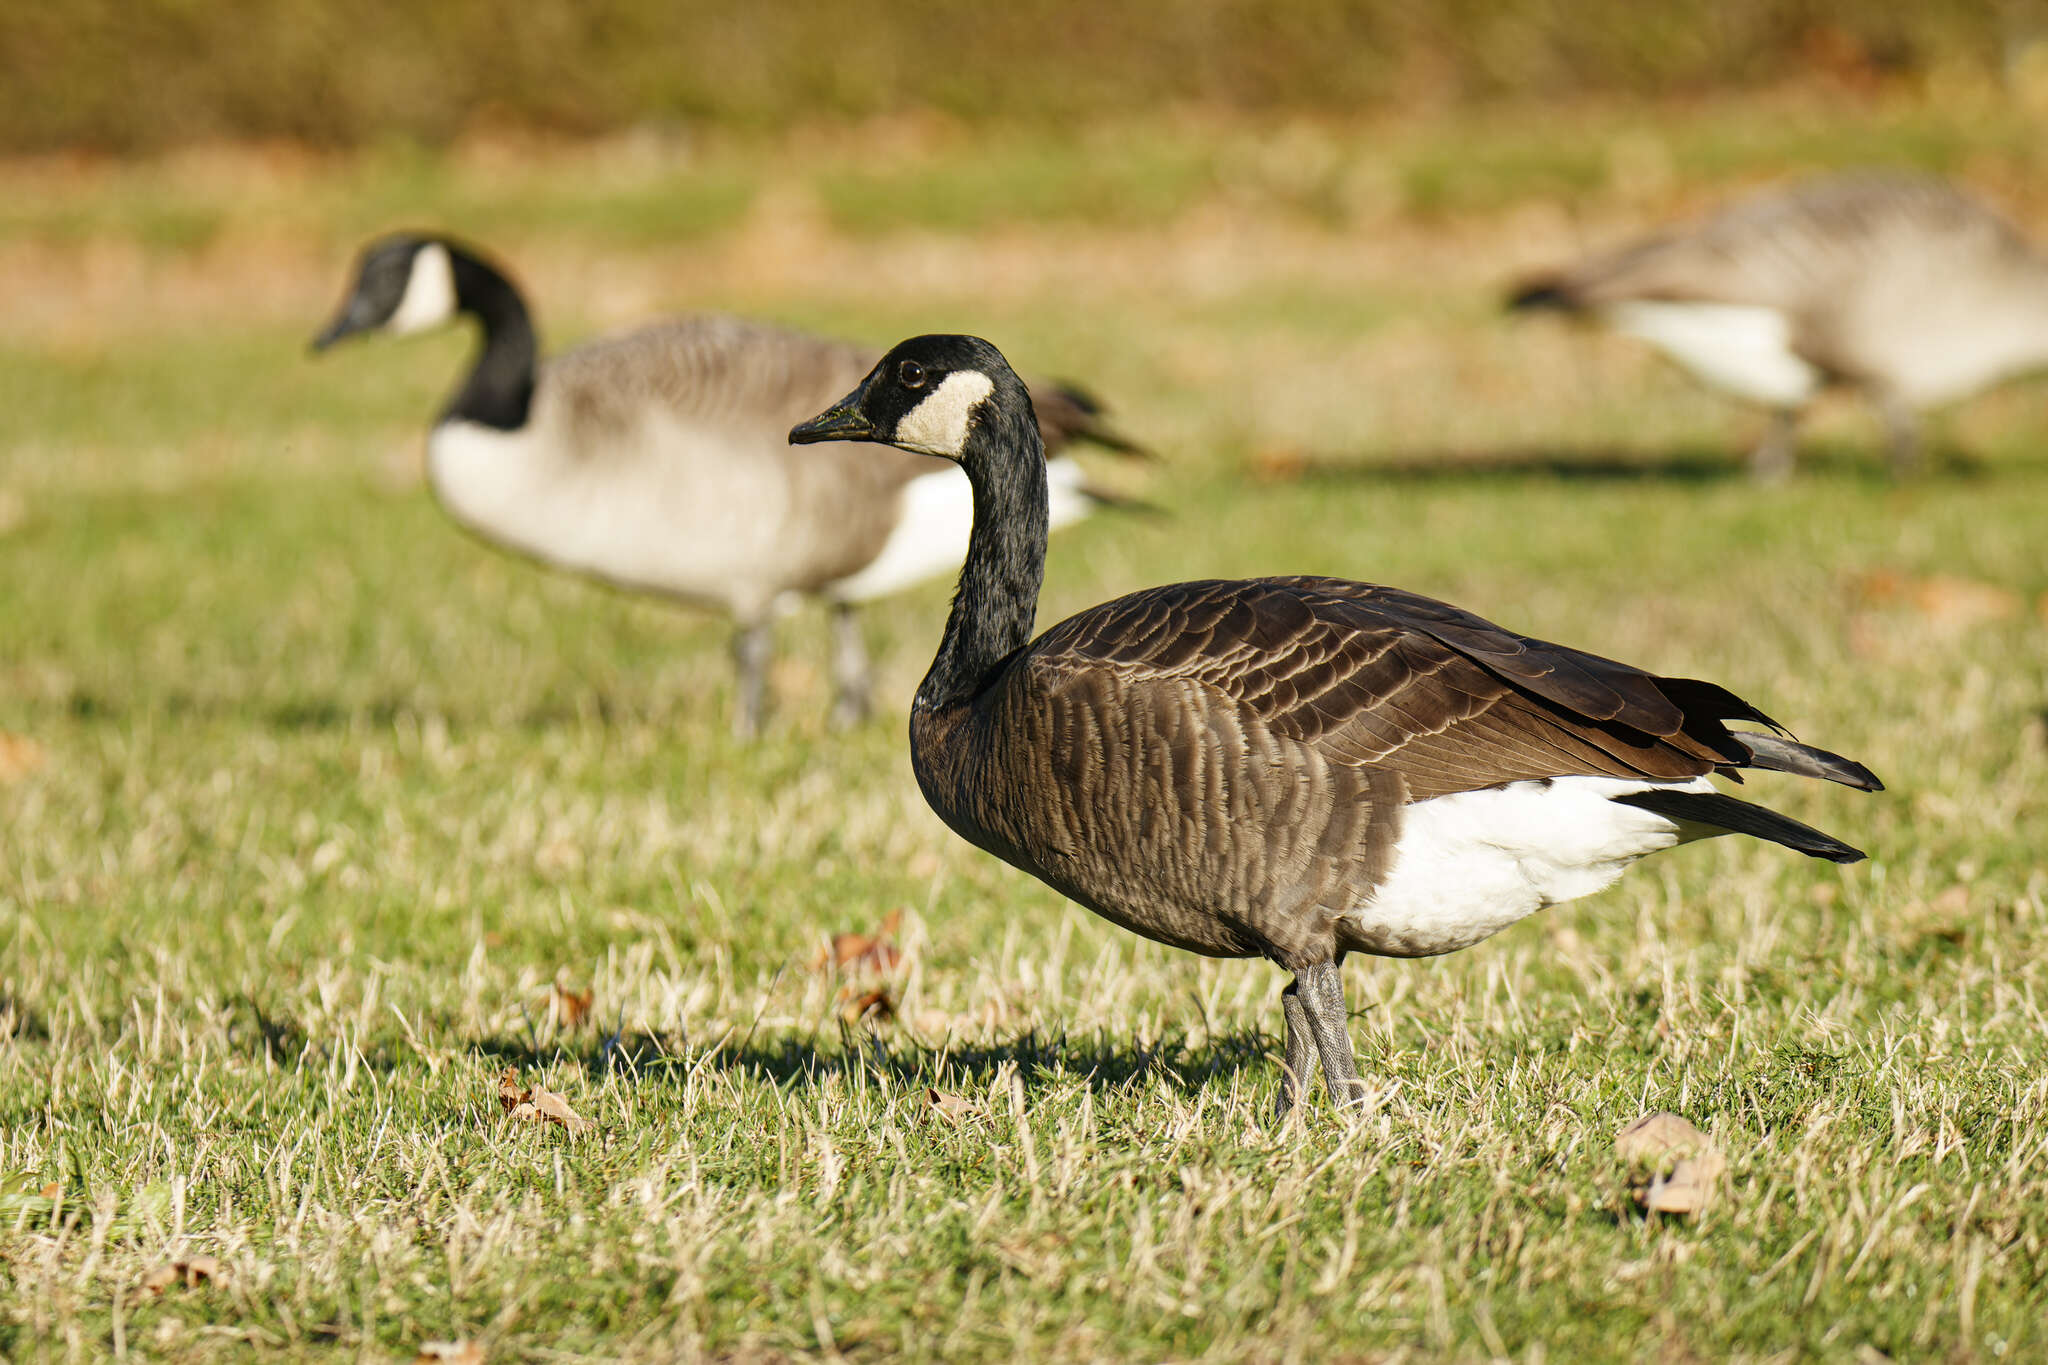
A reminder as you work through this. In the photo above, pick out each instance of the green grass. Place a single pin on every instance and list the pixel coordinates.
(331, 796)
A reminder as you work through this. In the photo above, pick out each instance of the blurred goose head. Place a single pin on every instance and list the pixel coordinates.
(405, 282)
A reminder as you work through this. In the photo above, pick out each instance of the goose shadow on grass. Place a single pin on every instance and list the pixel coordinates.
(1694, 465)
(787, 1062)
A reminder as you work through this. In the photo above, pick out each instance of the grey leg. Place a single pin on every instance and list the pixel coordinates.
(1902, 434)
(1300, 1050)
(752, 645)
(1322, 991)
(852, 682)
(1771, 461)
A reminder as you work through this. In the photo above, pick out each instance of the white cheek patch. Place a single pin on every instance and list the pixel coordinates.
(429, 292)
(938, 425)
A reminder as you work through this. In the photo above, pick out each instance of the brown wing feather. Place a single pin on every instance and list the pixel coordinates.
(1379, 677)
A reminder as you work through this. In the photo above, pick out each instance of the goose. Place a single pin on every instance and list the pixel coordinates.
(1897, 286)
(1287, 768)
(655, 461)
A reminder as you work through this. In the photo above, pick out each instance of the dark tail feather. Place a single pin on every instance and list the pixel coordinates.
(1076, 414)
(1740, 817)
(1780, 755)
(1544, 291)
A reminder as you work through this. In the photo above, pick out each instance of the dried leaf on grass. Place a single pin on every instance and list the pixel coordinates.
(567, 1008)
(1278, 464)
(19, 756)
(954, 1109)
(1678, 1166)
(873, 1006)
(190, 1272)
(864, 952)
(538, 1104)
(464, 1352)
(1947, 601)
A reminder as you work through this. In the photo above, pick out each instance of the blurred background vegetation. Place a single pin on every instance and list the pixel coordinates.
(128, 75)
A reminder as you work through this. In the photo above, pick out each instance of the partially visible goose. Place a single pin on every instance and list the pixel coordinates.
(1895, 285)
(657, 460)
(1288, 768)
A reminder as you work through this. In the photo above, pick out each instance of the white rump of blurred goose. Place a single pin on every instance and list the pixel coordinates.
(656, 460)
(1287, 768)
(1895, 285)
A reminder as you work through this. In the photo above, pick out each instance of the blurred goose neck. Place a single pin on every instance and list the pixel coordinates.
(499, 390)
(997, 600)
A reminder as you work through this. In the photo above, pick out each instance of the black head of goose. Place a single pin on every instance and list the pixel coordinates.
(656, 460)
(1288, 768)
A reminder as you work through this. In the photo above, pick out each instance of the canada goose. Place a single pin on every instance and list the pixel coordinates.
(1895, 285)
(1289, 768)
(656, 459)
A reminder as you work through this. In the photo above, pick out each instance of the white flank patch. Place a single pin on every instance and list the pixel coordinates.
(429, 292)
(938, 425)
(937, 516)
(1743, 349)
(1466, 866)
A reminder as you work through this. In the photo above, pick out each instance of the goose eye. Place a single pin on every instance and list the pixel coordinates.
(910, 374)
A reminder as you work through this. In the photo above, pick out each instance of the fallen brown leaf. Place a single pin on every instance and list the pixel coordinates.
(510, 1093)
(954, 1109)
(1278, 464)
(1688, 1189)
(566, 1007)
(872, 1005)
(51, 1190)
(555, 1109)
(1681, 1168)
(1653, 1137)
(19, 756)
(191, 1272)
(865, 952)
(1946, 600)
(464, 1352)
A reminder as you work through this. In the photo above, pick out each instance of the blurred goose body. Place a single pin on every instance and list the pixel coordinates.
(656, 460)
(1288, 768)
(1897, 286)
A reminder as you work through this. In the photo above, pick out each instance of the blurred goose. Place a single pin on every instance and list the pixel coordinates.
(1288, 768)
(656, 460)
(1894, 285)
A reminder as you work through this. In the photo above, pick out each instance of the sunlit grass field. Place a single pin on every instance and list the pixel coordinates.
(318, 815)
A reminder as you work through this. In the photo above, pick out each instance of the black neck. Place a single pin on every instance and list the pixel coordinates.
(999, 582)
(499, 390)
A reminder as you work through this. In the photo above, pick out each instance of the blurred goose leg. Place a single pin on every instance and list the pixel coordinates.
(1902, 434)
(1771, 461)
(752, 645)
(852, 679)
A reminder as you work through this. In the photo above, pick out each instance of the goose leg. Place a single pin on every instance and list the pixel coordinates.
(1771, 461)
(753, 642)
(852, 680)
(1301, 1055)
(1902, 434)
(1322, 990)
